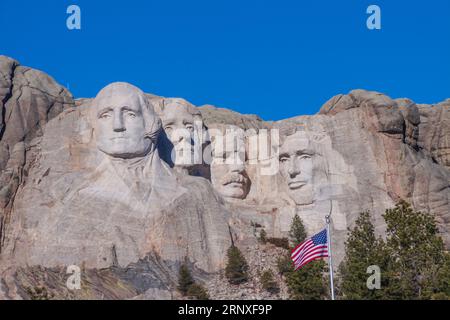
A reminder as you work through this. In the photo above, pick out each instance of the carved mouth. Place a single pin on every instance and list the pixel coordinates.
(235, 184)
(296, 184)
(118, 138)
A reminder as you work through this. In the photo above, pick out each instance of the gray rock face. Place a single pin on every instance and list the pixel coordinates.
(28, 100)
(82, 182)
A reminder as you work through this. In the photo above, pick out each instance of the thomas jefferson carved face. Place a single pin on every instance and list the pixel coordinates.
(124, 122)
(178, 124)
(296, 166)
(228, 174)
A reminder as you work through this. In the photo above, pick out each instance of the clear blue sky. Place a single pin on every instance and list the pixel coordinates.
(277, 58)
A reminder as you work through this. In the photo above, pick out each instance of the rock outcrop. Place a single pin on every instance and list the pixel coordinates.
(82, 183)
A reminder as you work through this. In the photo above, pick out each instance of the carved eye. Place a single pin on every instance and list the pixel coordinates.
(304, 156)
(189, 126)
(168, 128)
(131, 114)
(284, 159)
(105, 115)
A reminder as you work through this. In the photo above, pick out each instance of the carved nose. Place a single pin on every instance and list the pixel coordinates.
(181, 135)
(118, 125)
(293, 170)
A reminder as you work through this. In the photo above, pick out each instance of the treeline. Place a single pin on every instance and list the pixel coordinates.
(410, 263)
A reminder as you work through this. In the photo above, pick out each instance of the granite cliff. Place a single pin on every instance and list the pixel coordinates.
(127, 186)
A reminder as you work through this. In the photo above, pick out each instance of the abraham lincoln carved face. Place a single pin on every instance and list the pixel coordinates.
(296, 166)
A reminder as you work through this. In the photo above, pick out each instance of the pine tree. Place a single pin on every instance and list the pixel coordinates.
(268, 282)
(187, 285)
(236, 269)
(307, 283)
(198, 292)
(297, 232)
(263, 236)
(362, 250)
(284, 264)
(185, 279)
(416, 254)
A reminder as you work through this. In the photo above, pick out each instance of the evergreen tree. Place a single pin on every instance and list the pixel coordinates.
(198, 292)
(297, 232)
(187, 285)
(443, 280)
(268, 282)
(236, 269)
(185, 279)
(362, 250)
(307, 283)
(284, 264)
(263, 236)
(416, 254)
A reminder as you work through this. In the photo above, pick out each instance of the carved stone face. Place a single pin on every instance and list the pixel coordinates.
(228, 174)
(296, 167)
(121, 121)
(178, 124)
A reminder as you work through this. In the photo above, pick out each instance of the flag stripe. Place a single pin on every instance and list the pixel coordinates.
(300, 247)
(312, 259)
(311, 249)
(315, 252)
(305, 248)
(307, 254)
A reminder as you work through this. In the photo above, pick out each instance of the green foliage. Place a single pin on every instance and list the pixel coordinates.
(187, 285)
(412, 259)
(415, 251)
(284, 264)
(309, 282)
(263, 236)
(185, 279)
(236, 269)
(362, 249)
(443, 278)
(297, 232)
(197, 292)
(268, 282)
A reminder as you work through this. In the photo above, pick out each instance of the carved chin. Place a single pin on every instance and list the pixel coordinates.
(302, 196)
(124, 150)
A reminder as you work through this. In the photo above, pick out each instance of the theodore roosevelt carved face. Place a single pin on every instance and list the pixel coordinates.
(228, 173)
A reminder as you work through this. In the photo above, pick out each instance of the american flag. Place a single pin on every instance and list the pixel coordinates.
(310, 249)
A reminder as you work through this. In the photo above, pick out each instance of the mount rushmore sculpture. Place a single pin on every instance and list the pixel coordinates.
(137, 184)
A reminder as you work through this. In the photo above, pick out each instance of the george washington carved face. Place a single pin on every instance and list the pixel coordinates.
(125, 124)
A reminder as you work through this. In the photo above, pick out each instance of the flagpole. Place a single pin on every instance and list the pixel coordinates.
(330, 258)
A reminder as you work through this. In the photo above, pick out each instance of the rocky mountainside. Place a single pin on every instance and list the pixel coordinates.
(99, 184)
